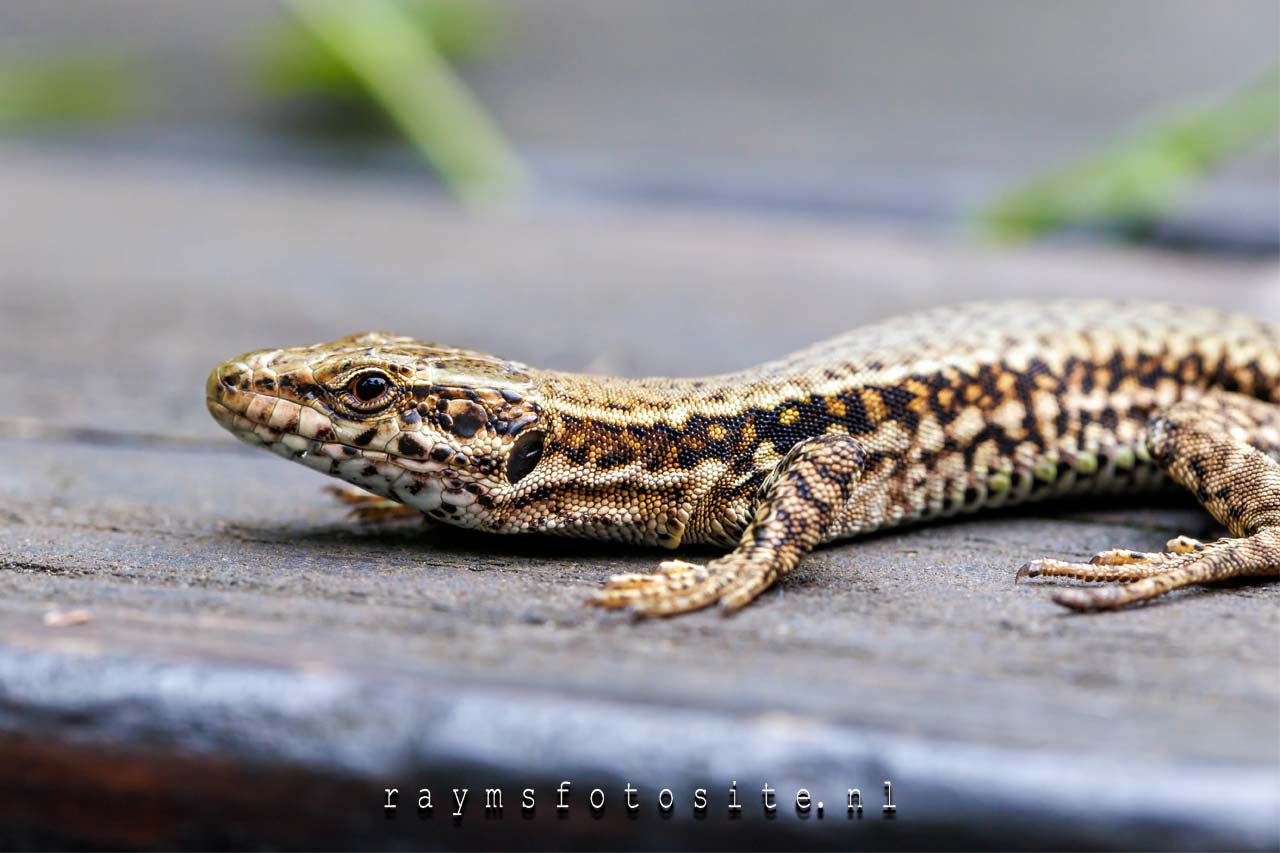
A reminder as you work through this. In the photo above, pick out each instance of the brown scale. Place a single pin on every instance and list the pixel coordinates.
(950, 411)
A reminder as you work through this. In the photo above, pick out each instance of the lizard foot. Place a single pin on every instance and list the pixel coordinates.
(368, 508)
(679, 587)
(1144, 576)
(1117, 565)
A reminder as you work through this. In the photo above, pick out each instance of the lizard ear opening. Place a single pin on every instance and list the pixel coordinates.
(524, 457)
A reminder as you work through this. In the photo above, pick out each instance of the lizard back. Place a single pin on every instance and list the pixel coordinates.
(958, 408)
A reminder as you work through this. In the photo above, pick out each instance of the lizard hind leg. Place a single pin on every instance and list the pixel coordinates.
(795, 507)
(1223, 448)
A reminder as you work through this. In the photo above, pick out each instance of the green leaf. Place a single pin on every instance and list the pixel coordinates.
(72, 87)
(385, 49)
(290, 60)
(1143, 174)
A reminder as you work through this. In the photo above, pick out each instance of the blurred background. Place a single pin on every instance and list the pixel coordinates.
(1147, 120)
(197, 649)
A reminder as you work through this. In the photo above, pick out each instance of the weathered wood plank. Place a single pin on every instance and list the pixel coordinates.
(244, 630)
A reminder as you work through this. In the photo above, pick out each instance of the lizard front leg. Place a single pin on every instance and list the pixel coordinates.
(796, 506)
(1223, 448)
(368, 508)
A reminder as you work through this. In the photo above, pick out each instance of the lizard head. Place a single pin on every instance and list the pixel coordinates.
(470, 439)
(447, 431)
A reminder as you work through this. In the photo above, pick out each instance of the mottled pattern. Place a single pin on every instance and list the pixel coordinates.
(1224, 448)
(916, 417)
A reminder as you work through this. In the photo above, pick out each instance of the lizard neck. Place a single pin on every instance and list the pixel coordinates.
(699, 448)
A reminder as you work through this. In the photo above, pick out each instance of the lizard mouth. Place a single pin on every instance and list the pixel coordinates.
(300, 433)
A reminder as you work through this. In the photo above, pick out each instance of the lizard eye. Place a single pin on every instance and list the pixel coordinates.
(369, 389)
(524, 457)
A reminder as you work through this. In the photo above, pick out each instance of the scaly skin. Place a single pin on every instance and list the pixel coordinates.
(912, 418)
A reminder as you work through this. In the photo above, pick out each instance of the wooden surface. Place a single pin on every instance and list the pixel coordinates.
(258, 669)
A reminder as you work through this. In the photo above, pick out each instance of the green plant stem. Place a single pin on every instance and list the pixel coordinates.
(1142, 174)
(413, 83)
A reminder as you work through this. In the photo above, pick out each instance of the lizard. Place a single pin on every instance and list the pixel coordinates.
(950, 411)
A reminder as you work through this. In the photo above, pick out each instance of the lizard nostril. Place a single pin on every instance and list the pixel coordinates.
(229, 378)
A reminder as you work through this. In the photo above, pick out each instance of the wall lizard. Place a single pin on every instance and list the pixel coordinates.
(918, 417)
